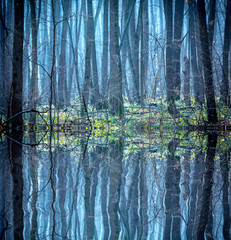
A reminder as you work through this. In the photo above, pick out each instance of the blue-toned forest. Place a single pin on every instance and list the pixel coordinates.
(115, 119)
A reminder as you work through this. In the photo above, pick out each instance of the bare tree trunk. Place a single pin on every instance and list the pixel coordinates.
(211, 21)
(187, 81)
(15, 101)
(199, 96)
(87, 74)
(104, 70)
(207, 63)
(225, 98)
(178, 24)
(134, 59)
(207, 186)
(34, 89)
(91, 36)
(115, 90)
(62, 59)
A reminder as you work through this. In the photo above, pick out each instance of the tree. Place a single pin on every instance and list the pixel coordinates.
(115, 88)
(15, 101)
(207, 63)
(225, 98)
(197, 80)
(62, 77)
(34, 87)
(173, 49)
(104, 70)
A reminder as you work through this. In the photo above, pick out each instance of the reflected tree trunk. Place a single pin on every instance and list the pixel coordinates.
(194, 192)
(15, 156)
(172, 196)
(116, 156)
(34, 171)
(104, 194)
(224, 164)
(206, 199)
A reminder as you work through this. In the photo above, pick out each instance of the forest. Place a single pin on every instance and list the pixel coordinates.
(115, 119)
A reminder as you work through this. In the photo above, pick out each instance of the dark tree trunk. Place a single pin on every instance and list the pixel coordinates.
(87, 74)
(15, 101)
(207, 186)
(187, 81)
(207, 63)
(34, 89)
(197, 85)
(224, 164)
(211, 21)
(172, 196)
(169, 27)
(178, 24)
(225, 98)
(115, 90)
(169, 77)
(134, 56)
(62, 78)
(91, 36)
(115, 173)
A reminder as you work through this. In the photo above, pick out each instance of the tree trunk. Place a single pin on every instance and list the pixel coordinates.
(87, 74)
(115, 90)
(104, 86)
(15, 101)
(34, 89)
(170, 86)
(207, 186)
(178, 24)
(195, 71)
(187, 81)
(62, 58)
(211, 21)
(134, 59)
(91, 39)
(207, 63)
(225, 98)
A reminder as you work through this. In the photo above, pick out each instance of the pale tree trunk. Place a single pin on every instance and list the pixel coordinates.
(104, 86)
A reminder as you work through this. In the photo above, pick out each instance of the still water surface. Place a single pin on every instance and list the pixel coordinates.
(115, 190)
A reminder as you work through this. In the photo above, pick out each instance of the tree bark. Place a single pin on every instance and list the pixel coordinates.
(15, 101)
(207, 63)
(104, 86)
(34, 89)
(186, 81)
(62, 58)
(115, 90)
(225, 98)
(198, 93)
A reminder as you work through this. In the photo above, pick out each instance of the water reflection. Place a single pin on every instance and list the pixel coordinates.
(105, 191)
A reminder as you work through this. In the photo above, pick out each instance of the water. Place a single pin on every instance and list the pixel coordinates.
(119, 188)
